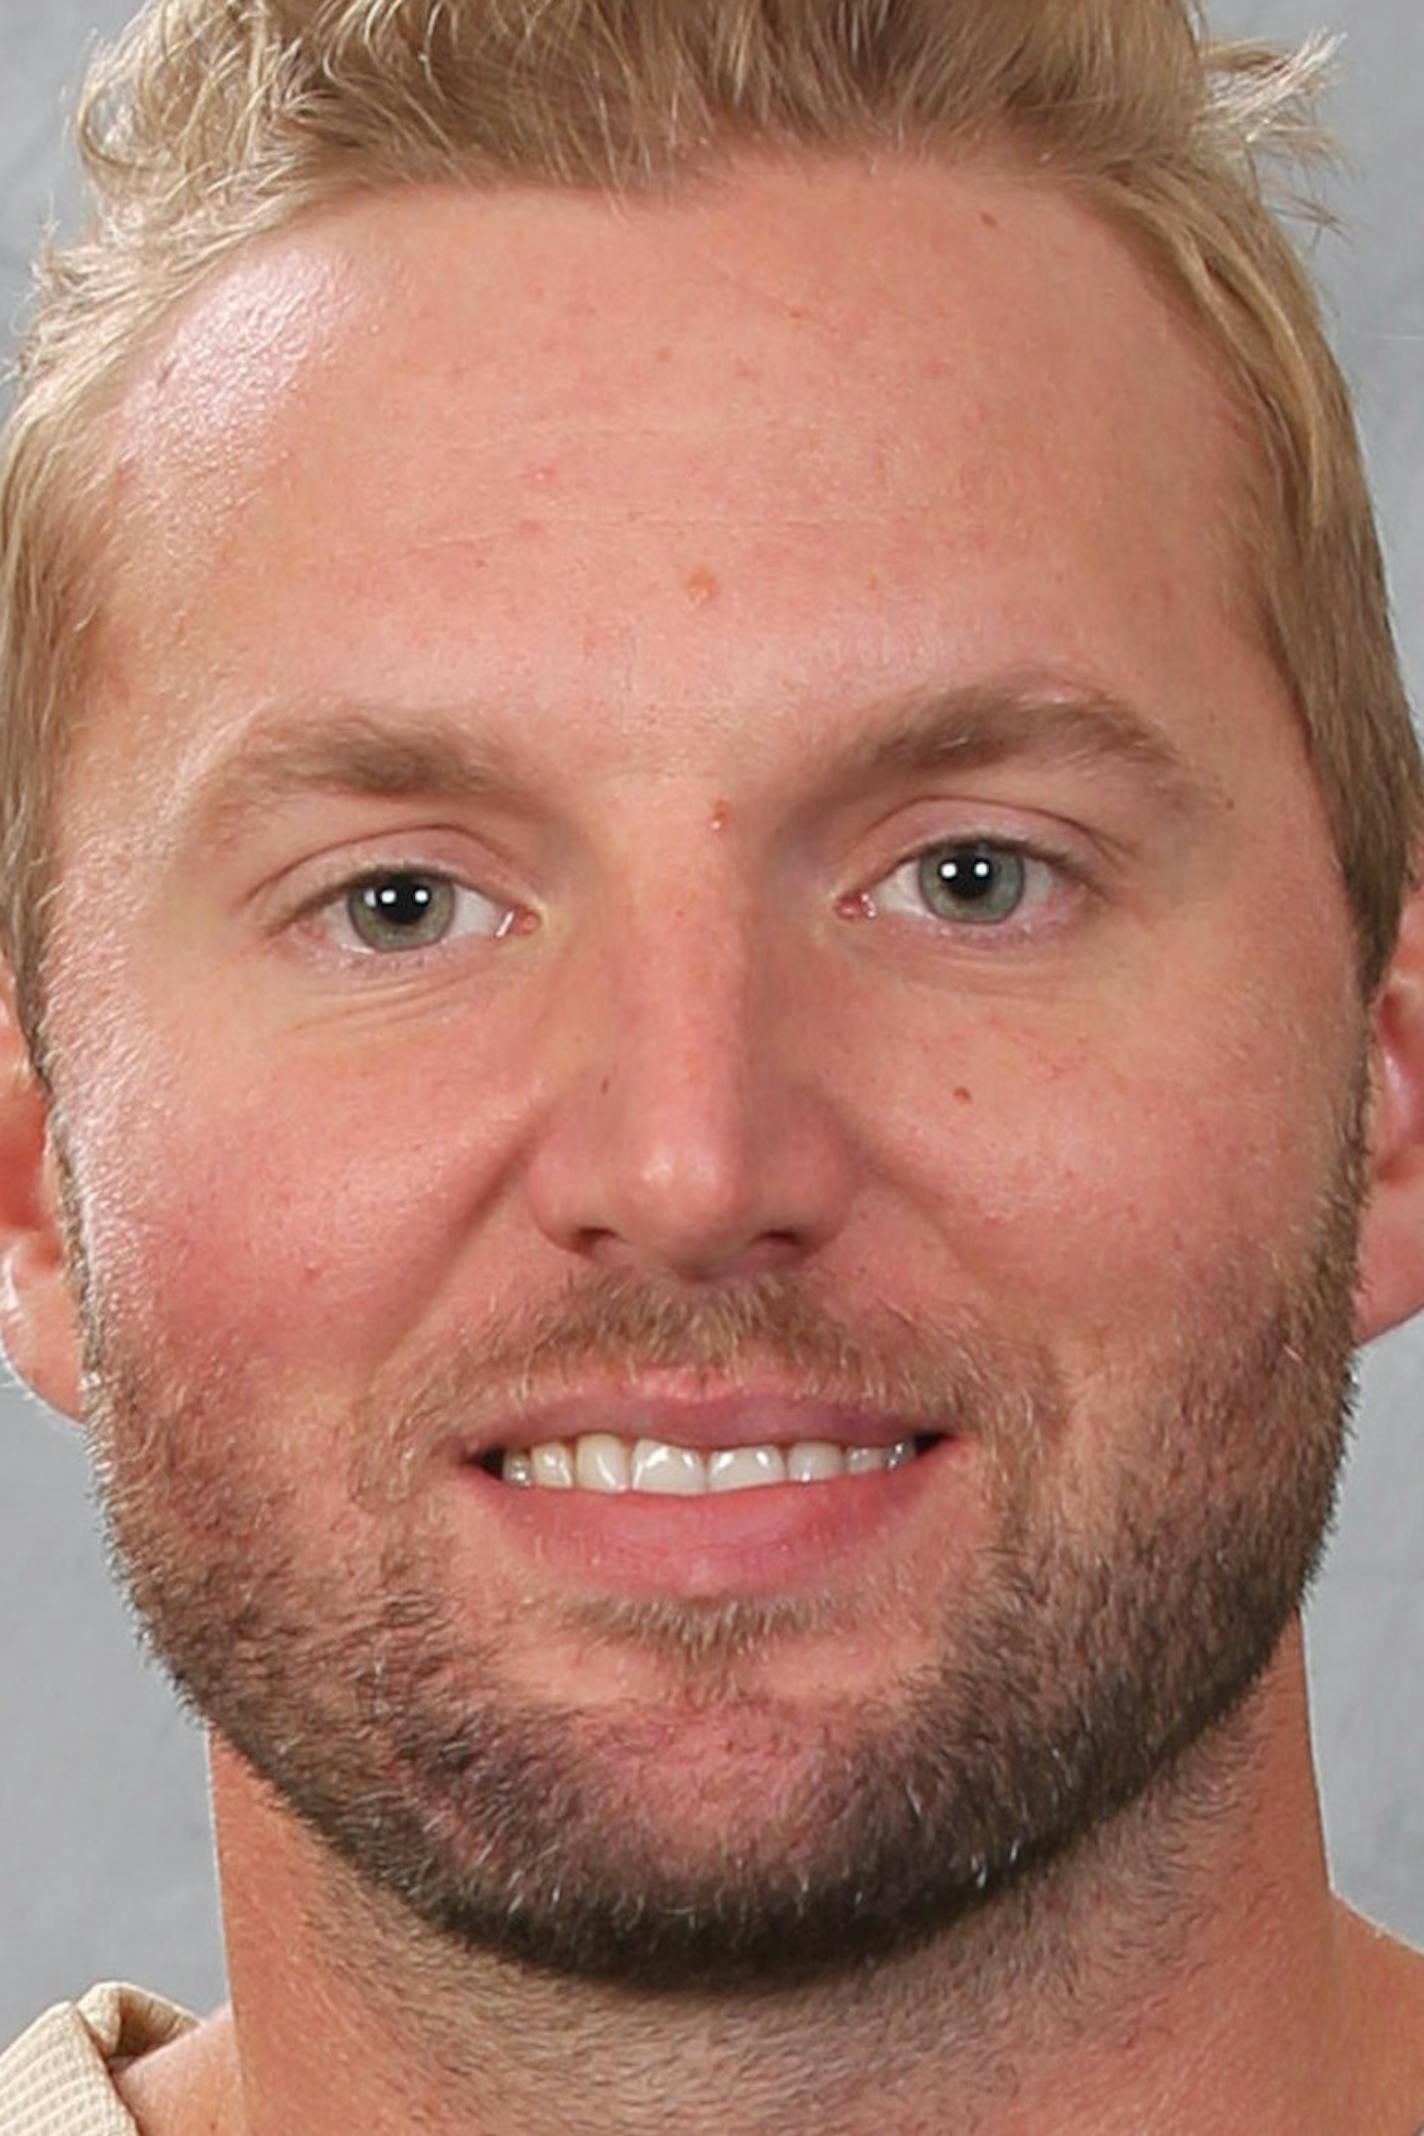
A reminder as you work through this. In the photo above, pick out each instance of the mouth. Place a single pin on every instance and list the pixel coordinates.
(717, 1521)
(609, 1462)
(671, 1487)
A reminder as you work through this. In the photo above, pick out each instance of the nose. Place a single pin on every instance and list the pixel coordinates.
(685, 1132)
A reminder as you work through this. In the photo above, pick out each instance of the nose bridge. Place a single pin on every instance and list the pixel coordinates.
(686, 986)
(685, 1131)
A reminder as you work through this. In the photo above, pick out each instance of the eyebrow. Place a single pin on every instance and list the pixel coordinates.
(364, 751)
(982, 725)
(352, 750)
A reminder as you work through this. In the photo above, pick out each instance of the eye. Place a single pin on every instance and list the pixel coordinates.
(975, 882)
(403, 909)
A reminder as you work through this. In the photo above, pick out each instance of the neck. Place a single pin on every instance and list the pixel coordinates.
(1189, 1972)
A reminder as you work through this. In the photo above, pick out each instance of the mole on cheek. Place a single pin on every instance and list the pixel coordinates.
(721, 816)
(702, 586)
(963, 1096)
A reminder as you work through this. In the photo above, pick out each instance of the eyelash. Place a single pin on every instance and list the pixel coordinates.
(1058, 868)
(329, 905)
(326, 912)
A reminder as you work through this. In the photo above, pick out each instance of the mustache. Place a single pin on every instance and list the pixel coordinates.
(952, 1372)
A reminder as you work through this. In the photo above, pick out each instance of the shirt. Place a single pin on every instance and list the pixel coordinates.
(55, 2080)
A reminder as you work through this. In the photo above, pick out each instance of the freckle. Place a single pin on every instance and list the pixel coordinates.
(721, 816)
(963, 1096)
(664, 355)
(702, 586)
(990, 222)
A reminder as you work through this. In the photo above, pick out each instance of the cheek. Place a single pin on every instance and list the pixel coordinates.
(1105, 1184)
(309, 1214)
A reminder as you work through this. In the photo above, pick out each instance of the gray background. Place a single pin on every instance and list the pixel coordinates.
(105, 1855)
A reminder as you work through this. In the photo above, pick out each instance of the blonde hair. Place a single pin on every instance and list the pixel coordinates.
(215, 120)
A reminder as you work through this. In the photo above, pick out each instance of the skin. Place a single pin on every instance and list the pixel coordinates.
(760, 461)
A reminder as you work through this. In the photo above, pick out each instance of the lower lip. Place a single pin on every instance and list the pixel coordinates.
(766, 1539)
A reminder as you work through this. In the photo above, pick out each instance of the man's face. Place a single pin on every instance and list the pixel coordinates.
(587, 561)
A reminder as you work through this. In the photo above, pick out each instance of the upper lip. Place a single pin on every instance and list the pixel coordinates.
(743, 1418)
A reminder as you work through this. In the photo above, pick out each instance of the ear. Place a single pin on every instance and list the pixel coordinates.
(39, 1326)
(1391, 1263)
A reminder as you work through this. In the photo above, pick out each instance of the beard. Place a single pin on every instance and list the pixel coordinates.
(1112, 1625)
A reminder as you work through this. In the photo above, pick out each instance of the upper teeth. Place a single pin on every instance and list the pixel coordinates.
(598, 1461)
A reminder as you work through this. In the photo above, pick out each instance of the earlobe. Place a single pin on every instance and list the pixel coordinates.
(1391, 1265)
(39, 1326)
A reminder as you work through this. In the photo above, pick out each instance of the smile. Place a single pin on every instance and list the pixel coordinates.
(605, 1462)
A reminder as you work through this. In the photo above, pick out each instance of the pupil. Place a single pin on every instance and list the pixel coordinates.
(403, 902)
(972, 878)
(402, 911)
(974, 882)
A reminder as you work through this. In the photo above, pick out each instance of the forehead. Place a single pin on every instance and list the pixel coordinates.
(757, 445)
